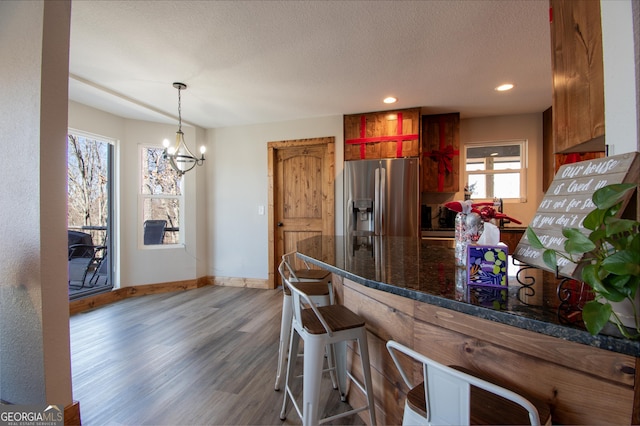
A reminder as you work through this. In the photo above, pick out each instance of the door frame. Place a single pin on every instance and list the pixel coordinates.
(329, 188)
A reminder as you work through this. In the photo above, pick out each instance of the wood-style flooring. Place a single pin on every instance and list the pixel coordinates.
(200, 357)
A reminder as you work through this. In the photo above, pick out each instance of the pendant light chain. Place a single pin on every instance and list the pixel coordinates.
(179, 109)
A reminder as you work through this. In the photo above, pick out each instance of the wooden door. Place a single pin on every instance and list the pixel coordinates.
(301, 196)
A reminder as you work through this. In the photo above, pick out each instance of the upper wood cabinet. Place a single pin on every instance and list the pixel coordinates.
(384, 134)
(578, 77)
(440, 160)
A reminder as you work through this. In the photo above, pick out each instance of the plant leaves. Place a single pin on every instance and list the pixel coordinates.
(616, 281)
(614, 294)
(594, 219)
(549, 258)
(597, 235)
(634, 284)
(595, 316)
(618, 226)
(625, 262)
(577, 242)
(635, 243)
(611, 195)
(617, 295)
(533, 239)
(590, 276)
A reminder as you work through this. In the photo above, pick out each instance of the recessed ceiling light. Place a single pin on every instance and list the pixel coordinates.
(504, 87)
(390, 100)
(494, 154)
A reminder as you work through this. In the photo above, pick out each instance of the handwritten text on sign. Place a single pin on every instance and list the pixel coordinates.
(568, 201)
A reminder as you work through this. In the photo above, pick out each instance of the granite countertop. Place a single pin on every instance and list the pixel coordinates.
(425, 271)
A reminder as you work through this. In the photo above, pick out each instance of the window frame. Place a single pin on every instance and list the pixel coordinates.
(112, 224)
(180, 199)
(523, 143)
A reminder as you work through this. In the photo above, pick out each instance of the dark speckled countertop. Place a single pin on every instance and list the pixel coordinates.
(424, 270)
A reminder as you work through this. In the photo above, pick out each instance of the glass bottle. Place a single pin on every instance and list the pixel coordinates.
(468, 228)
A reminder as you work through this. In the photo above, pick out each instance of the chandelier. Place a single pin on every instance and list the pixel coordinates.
(180, 157)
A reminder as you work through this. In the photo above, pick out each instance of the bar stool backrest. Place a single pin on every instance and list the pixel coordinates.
(302, 301)
(447, 390)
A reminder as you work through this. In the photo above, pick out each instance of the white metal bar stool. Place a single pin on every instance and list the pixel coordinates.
(319, 327)
(453, 396)
(317, 284)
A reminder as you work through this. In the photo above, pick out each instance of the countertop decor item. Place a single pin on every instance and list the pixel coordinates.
(608, 260)
(469, 225)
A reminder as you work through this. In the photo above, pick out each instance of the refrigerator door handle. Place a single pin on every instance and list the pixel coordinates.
(383, 200)
(376, 201)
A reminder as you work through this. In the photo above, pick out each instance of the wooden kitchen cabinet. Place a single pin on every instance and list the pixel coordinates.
(384, 134)
(578, 76)
(511, 237)
(440, 160)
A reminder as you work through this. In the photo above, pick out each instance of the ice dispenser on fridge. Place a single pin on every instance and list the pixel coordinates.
(363, 215)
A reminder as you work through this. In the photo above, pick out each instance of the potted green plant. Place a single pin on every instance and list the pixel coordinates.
(608, 260)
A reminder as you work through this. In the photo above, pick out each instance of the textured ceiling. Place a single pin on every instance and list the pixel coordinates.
(249, 62)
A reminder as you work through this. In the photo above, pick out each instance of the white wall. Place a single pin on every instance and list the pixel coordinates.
(34, 308)
(620, 82)
(140, 265)
(237, 185)
(511, 127)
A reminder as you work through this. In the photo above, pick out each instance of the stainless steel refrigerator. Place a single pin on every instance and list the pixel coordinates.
(381, 197)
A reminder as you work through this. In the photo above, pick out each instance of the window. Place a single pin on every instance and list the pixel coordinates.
(161, 197)
(496, 170)
(90, 207)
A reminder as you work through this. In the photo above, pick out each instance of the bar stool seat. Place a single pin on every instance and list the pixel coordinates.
(319, 327)
(459, 397)
(319, 275)
(486, 407)
(314, 282)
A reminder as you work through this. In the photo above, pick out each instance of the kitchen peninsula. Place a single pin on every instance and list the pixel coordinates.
(409, 290)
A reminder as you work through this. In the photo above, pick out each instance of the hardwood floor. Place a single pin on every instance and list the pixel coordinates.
(200, 357)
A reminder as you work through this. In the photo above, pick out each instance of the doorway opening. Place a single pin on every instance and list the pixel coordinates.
(89, 214)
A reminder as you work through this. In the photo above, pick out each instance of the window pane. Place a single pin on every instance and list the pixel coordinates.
(157, 177)
(87, 186)
(495, 151)
(167, 209)
(475, 166)
(501, 185)
(506, 165)
(478, 186)
(506, 185)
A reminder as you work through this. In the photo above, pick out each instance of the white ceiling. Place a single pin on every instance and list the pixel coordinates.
(248, 62)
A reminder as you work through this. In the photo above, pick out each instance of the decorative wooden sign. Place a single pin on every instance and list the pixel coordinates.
(568, 201)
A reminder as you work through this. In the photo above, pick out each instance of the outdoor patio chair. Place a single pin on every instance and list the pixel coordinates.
(86, 260)
(154, 231)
